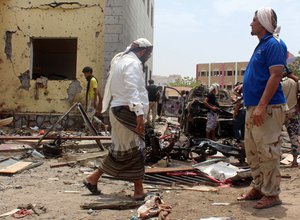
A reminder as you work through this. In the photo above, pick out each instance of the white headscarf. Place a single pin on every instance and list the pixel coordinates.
(141, 42)
(265, 16)
(214, 86)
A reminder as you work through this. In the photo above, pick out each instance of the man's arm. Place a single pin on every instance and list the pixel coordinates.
(237, 107)
(99, 106)
(95, 97)
(276, 73)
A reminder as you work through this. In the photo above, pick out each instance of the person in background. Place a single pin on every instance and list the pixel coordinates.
(159, 102)
(212, 104)
(265, 113)
(127, 96)
(239, 116)
(290, 87)
(153, 97)
(93, 98)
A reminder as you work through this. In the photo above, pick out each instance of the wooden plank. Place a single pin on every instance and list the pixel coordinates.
(168, 169)
(17, 167)
(55, 137)
(63, 164)
(115, 205)
(6, 121)
(71, 160)
(82, 157)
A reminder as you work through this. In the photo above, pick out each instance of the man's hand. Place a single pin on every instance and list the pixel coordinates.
(258, 115)
(140, 126)
(214, 108)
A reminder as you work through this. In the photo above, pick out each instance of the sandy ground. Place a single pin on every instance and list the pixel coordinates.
(50, 188)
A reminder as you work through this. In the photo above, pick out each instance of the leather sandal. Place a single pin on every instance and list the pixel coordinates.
(267, 202)
(92, 188)
(253, 194)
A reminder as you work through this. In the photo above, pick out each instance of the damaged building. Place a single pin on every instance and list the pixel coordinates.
(45, 45)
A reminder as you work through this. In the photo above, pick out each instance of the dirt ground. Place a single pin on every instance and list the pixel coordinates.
(59, 191)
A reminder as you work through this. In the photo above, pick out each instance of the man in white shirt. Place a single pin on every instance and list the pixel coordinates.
(128, 109)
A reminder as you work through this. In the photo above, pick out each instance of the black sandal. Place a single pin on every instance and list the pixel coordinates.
(92, 188)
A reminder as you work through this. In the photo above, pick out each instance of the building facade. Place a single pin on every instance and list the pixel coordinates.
(225, 74)
(44, 47)
(126, 21)
(46, 44)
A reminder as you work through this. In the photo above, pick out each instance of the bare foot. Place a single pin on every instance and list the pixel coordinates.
(139, 196)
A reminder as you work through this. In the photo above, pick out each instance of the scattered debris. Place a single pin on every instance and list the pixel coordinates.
(221, 203)
(154, 207)
(221, 171)
(22, 213)
(9, 213)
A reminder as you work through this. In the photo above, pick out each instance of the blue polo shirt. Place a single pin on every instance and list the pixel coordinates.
(269, 52)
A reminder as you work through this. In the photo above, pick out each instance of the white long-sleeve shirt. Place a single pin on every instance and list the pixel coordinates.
(128, 85)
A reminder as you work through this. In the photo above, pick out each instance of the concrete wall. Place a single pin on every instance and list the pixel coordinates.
(125, 21)
(22, 21)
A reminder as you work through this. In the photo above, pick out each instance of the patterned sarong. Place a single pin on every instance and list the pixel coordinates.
(212, 121)
(125, 159)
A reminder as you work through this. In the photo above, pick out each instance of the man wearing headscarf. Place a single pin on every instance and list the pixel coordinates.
(291, 90)
(212, 105)
(266, 106)
(126, 92)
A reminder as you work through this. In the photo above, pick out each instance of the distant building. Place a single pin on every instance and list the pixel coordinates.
(225, 74)
(164, 80)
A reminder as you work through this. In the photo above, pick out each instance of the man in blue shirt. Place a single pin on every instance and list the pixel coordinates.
(265, 103)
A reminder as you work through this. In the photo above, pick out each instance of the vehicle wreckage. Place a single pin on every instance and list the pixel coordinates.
(191, 114)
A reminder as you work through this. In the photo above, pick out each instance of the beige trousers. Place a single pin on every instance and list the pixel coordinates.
(263, 149)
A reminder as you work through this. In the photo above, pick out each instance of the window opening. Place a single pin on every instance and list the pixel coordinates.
(54, 58)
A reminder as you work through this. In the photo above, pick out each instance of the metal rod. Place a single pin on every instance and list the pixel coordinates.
(89, 125)
(183, 178)
(50, 129)
(158, 178)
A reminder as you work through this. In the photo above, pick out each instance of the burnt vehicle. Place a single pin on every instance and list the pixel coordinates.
(168, 146)
(192, 116)
(191, 111)
(206, 147)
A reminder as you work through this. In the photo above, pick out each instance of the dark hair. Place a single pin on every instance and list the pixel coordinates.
(87, 69)
(274, 19)
(151, 81)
